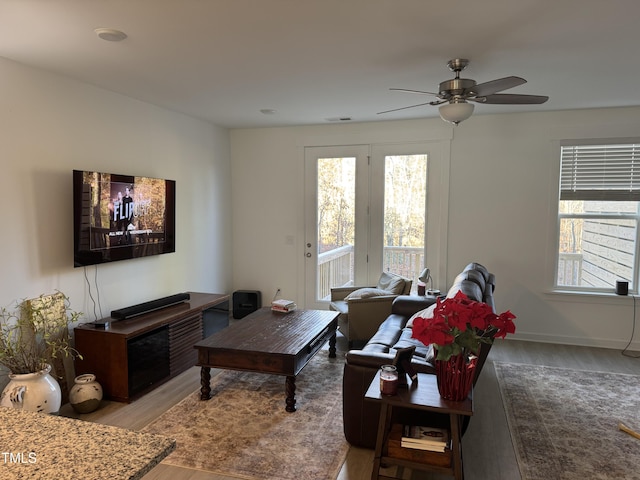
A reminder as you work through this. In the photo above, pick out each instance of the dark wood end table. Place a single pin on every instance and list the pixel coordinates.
(422, 395)
(268, 342)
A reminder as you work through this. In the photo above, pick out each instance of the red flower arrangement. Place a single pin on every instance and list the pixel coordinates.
(460, 324)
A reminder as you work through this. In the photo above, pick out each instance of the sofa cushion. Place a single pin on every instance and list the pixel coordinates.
(391, 336)
(426, 313)
(471, 283)
(367, 292)
(476, 267)
(387, 334)
(391, 282)
(422, 353)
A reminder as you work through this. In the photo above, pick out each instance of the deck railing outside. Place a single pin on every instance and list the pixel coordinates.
(569, 269)
(335, 267)
(405, 261)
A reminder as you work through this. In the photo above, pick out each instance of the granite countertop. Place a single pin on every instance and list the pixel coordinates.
(41, 446)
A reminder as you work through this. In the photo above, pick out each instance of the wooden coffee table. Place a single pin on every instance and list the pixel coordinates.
(268, 342)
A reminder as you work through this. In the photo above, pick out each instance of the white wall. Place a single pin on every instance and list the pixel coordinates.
(50, 125)
(503, 193)
(502, 211)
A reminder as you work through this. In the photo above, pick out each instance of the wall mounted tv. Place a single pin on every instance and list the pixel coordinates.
(119, 217)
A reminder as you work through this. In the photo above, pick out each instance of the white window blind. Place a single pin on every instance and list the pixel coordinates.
(600, 172)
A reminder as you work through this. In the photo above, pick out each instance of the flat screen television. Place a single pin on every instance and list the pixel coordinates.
(119, 217)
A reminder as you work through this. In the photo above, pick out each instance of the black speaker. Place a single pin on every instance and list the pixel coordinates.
(622, 288)
(245, 302)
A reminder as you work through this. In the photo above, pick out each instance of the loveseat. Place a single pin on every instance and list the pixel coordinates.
(361, 416)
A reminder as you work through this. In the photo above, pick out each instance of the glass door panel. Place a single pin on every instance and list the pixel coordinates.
(405, 192)
(336, 224)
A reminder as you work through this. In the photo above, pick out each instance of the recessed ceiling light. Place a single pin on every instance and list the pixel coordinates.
(110, 34)
(268, 111)
(339, 119)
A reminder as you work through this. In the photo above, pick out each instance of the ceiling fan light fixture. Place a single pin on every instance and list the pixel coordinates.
(453, 94)
(456, 111)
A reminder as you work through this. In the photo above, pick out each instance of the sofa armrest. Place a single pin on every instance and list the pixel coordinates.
(360, 417)
(374, 360)
(407, 305)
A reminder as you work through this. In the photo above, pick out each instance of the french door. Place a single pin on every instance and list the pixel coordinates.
(365, 212)
(336, 220)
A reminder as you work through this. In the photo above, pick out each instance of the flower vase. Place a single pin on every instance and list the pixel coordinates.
(86, 394)
(35, 392)
(455, 376)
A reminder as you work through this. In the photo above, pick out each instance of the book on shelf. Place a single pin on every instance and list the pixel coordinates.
(435, 458)
(284, 306)
(423, 446)
(425, 438)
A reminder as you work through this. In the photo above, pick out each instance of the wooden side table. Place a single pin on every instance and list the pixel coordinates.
(424, 396)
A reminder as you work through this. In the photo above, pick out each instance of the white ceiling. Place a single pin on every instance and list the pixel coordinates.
(314, 61)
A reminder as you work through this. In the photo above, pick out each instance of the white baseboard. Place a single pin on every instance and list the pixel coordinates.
(578, 341)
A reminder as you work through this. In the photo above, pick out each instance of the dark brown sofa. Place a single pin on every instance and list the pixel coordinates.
(361, 416)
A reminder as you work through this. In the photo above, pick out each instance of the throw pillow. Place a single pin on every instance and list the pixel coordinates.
(391, 283)
(426, 313)
(366, 293)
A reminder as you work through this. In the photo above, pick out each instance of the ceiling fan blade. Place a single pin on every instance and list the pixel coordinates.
(410, 106)
(412, 91)
(511, 99)
(494, 86)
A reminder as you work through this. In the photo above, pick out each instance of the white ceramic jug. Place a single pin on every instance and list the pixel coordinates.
(35, 392)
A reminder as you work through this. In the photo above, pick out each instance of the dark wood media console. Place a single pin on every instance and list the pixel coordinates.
(131, 357)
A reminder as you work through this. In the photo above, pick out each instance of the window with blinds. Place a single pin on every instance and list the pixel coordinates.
(600, 172)
(598, 215)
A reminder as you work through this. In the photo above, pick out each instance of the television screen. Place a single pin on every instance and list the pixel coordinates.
(118, 217)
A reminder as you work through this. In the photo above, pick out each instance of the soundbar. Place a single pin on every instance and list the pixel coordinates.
(146, 307)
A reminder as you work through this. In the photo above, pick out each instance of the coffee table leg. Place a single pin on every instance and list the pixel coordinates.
(205, 382)
(290, 390)
(332, 346)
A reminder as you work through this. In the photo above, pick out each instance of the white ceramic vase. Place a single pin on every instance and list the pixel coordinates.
(86, 394)
(35, 392)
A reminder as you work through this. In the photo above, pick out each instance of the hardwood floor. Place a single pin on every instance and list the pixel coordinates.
(488, 451)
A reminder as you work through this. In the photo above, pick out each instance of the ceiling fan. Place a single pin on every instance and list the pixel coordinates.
(454, 95)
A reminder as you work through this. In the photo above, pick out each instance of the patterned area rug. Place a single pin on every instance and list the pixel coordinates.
(243, 431)
(564, 423)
